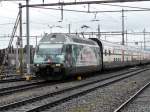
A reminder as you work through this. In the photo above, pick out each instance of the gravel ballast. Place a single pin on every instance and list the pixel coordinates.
(105, 99)
(140, 104)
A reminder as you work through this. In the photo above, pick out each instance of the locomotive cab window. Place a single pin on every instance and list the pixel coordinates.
(49, 53)
(68, 49)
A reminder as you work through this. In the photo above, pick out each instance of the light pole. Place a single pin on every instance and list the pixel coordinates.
(69, 28)
(144, 38)
(20, 40)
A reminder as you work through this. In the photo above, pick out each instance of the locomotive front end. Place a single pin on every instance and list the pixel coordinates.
(49, 61)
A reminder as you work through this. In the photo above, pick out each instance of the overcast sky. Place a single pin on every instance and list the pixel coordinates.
(42, 19)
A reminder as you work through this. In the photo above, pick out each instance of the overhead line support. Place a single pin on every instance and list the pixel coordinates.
(9, 45)
(122, 27)
(88, 8)
(28, 40)
(21, 44)
(80, 3)
(62, 15)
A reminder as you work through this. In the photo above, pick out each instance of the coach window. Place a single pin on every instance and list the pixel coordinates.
(116, 59)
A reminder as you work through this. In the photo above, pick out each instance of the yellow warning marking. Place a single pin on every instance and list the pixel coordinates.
(28, 77)
(17, 71)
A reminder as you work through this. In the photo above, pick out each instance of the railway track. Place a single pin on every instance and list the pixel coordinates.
(20, 88)
(132, 98)
(31, 85)
(11, 80)
(10, 75)
(54, 98)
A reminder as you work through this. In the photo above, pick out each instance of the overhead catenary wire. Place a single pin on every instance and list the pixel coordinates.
(81, 3)
(7, 24)
(125, 6)
(8, 17)
(103, 32)
(141, 9)
(90, 11)
(70, 10)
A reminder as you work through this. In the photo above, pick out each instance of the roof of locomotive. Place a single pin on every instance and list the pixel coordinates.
(65, 38)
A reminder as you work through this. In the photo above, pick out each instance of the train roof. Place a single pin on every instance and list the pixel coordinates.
(65, 38)
(118, 46)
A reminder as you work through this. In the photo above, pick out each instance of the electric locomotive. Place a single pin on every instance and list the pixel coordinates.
(60, 55)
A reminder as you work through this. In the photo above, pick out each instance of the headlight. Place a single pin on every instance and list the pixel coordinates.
(58, 65)
(37, 65)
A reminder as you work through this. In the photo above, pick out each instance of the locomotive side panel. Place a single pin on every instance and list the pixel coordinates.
(86, 58)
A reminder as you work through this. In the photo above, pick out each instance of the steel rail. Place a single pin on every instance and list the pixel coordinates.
(11, 80)
(82, 89)
(19, 78)
(132, 97)
(20, 88)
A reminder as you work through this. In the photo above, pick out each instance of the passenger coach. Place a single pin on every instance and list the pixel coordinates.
(115, 55)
